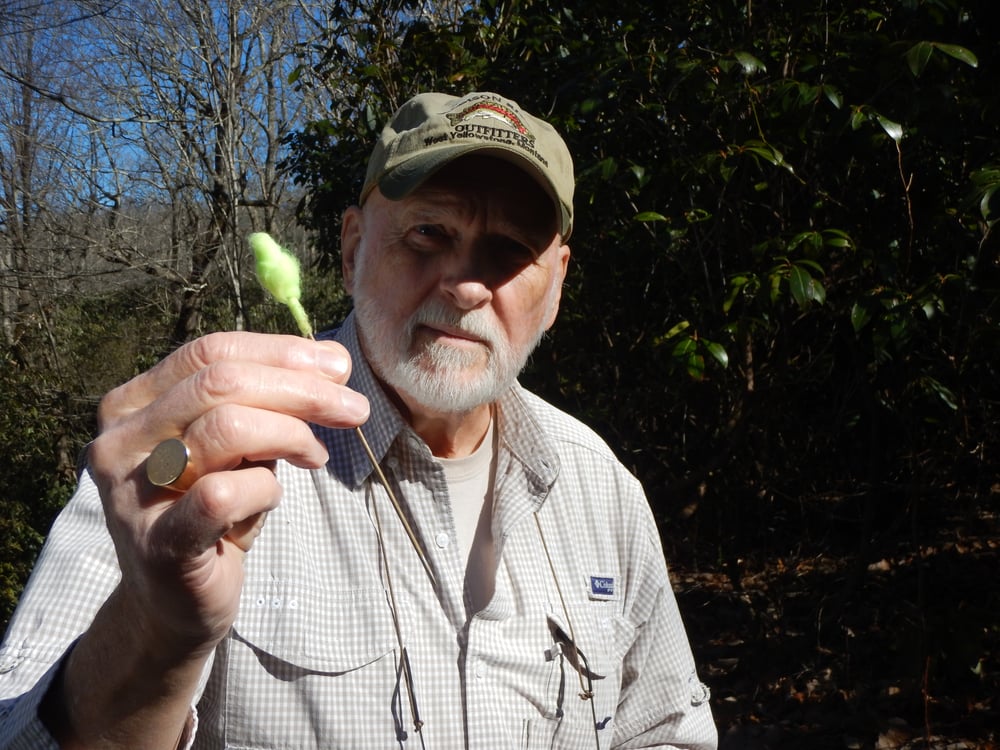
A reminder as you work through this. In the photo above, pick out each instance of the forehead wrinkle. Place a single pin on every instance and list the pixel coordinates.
(447, 200)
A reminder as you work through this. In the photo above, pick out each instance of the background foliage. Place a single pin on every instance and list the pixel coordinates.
(783, 299)
(782, 311)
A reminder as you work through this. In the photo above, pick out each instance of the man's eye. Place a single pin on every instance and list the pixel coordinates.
(514, 253)
(426, 237)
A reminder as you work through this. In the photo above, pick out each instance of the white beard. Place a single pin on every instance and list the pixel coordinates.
(439, 377)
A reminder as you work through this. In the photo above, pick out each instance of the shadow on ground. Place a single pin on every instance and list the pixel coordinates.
(809, 654)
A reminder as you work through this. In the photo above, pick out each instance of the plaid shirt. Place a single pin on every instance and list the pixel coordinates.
(582, 599)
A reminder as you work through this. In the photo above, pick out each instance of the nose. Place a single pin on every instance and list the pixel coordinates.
(465, 281)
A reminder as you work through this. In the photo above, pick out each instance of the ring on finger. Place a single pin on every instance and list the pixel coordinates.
(170, 466)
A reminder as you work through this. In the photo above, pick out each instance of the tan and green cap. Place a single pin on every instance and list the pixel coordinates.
(432, 130)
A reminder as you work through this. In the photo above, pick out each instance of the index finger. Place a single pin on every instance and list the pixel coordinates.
(292, 352)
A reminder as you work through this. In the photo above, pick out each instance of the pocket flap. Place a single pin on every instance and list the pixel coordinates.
(316, 629)
(603, 637)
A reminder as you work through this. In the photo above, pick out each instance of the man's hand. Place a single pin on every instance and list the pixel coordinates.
(240, 402)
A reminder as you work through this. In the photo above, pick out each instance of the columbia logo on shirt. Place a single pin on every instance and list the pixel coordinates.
(602, 587)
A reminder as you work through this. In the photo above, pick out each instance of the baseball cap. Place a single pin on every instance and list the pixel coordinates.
(431, 130)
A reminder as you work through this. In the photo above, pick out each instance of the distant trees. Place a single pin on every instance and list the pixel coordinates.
(153, 133)
(203, 90)
(140, 142)
(36, 189)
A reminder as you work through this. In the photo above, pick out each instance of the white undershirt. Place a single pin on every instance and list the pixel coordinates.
(470, 488)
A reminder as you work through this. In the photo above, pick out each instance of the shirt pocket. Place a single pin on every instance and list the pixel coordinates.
(307, 669)
(584, 661)
(318, 630)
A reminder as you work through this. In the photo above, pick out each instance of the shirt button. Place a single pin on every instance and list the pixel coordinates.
(443, 540)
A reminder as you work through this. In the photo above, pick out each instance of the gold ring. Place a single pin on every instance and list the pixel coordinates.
(170, 466)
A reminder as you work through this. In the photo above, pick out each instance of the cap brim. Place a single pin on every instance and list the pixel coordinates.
(404, 178)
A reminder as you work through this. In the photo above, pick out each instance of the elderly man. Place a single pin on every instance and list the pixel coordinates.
(478, 571)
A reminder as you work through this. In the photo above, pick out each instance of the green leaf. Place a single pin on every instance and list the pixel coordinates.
(736, 285)
(696, 366)
(812, 238)
(804, 287)
(762, 150)
(942, 392)
(833, 96)
(750, 64)
(811, 264)
(798, 282)
(684, 348)
(775, 291)
(767, 152)
(917, 57)
(697, 215)
(837, 238)
(718, 351)
(817, 292)
(984, 203)
(682, 326)
(959, 53)
(860, 317)
(650, 216)
(987, 182)
(893, 129)
(807, 94)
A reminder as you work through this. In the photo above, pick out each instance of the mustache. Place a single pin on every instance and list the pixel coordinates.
(473, 323)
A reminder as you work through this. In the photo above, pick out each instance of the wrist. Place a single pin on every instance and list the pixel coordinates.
(119, 688)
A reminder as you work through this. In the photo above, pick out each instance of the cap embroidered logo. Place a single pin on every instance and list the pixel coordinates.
(490, 110)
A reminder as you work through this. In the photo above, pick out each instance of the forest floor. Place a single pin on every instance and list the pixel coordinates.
(816, 653)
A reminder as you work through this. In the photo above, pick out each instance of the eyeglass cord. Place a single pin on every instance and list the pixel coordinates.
(586, 690)
(403, 666)
(403, 663)
(404, 659)
(395, 504)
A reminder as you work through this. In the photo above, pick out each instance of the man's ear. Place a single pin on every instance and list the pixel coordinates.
(350, 241)
(559, 276)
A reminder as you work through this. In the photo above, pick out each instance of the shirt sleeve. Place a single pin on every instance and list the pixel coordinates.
(75, 573)
(20, 727)
(663, 703)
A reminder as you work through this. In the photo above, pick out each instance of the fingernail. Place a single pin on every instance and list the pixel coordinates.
(357, 405)
(333, 362)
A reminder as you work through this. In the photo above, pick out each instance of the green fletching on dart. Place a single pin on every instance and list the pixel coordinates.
(278, 273)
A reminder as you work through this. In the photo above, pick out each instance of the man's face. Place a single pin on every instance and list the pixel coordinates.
(454, 285)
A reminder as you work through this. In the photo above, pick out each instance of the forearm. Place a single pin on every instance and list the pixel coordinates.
(119, 689)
